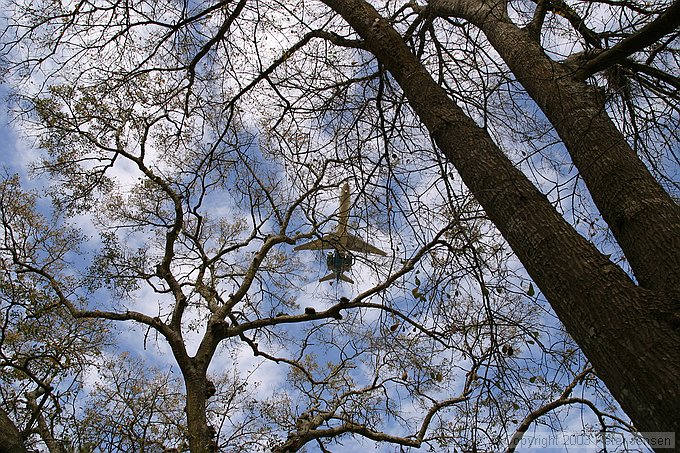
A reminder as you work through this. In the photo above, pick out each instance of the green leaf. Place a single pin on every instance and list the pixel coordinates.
(530, 291)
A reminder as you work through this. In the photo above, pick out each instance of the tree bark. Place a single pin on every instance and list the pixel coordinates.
(10, 437)
(197, 387)
(626, 331)
(200, 435)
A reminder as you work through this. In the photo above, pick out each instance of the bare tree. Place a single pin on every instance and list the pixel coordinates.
(203, 140)
(44, 351)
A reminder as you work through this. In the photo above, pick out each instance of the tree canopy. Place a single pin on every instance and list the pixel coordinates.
(516, 159)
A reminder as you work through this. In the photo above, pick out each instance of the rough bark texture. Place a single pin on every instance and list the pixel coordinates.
(625, 330)
(199, 388)
(10, 437)
(200, 436)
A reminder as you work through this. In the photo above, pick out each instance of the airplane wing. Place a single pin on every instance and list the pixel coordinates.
(327, 242)
(357, 244)
(332, 276)
(345, 242)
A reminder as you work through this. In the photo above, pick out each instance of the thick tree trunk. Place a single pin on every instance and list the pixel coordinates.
(200, 434)
(198, 390)
(642, 216)
(10, 437)
(626, 331)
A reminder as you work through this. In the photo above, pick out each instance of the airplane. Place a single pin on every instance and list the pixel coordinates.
(342, 242)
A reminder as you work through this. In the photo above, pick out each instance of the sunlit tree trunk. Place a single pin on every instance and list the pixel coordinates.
(628, 332)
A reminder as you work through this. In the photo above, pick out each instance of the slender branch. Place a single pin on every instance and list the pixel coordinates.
(563, 9)
(651, 71)
(664, 24)
(298, 439)
(536, 25)
(221, 33)
(174, 338)
(563, 400)
(534, 415)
